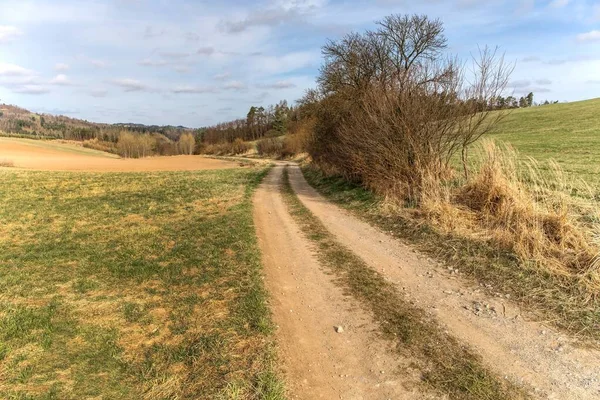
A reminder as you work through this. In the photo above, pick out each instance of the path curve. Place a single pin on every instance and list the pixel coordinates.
(526, 352)
(306, 304)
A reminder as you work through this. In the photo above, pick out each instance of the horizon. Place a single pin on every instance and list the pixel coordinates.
(195, 64)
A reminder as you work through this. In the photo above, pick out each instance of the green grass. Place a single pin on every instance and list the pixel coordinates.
(447, 367)
(561, 302)
(131, 286)
(569, 133)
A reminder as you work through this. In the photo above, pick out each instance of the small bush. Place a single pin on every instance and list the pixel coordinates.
(270, 147)
(101, 145)
(296, 142)
(226, 148)
(240, 147)
(130, 145)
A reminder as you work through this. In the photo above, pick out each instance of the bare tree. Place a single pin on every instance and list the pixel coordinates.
(393, 109)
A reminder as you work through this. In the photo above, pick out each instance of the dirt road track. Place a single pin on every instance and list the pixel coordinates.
(526, 352)
(319, 363)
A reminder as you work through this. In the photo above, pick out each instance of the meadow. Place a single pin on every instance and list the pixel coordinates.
(568, 133)
(132, 286)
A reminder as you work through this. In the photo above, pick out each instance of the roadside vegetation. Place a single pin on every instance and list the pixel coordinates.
(394, 114)
(446, 366)
(129, 285)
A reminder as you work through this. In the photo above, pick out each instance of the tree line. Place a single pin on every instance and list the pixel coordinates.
(260, 122)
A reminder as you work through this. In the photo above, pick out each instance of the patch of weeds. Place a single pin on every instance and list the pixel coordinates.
(446, 365)
(132, 312)
(84, 285)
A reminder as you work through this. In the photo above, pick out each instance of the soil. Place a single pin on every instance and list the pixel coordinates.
(319, 362)
(51, 156)
(525, 351)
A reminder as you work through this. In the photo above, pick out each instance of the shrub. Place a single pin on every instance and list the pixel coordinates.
(392, 111)
(270, 147)
(297, 140)
(186, 144)
(130, 145)
(236, 147)
(96, 144)
(240, 147)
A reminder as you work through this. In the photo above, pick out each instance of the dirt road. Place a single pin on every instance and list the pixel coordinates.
(526, 352)
(54, 156)
(319, 362)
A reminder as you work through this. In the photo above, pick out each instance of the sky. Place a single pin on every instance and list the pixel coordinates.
(196, 63)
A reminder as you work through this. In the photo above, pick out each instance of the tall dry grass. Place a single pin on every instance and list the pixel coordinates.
(523, 208)
(237, 147)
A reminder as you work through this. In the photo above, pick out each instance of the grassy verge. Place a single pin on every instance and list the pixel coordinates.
(561, 301)
(132, 286)
(446, 366)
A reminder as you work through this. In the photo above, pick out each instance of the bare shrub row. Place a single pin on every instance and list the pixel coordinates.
(131, 145)
(396, 114)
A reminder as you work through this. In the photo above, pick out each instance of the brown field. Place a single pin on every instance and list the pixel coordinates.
(54, 156)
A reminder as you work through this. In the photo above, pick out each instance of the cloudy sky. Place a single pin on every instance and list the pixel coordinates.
(195, 62)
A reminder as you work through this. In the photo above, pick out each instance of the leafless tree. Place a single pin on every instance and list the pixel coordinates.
(393, 109)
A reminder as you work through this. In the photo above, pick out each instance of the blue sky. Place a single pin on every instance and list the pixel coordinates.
(195, 63)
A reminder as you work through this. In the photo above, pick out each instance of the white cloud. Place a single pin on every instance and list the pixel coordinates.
(278, 85)
(131, 85)
(31, 89)
(174, 54)
(94, 62)
(519, 84)
(187, 89)
(41, 11)
(285, 63)
(182, 69)
(8, 33)
(223, 76)
(61, 67)
(7, 69)
(234, 85)
(61, 80)
(99, 63)
(591, 36)
(153, 63)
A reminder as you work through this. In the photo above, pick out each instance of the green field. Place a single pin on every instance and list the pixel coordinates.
(568, 133)
(132, 286)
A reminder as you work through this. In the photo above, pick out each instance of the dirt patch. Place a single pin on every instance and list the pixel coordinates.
(29, 154)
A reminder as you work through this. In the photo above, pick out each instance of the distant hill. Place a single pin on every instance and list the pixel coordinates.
(16, 121)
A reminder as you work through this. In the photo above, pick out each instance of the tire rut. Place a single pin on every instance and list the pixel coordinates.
(306, 303)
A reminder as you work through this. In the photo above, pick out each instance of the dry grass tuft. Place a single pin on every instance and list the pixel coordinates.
(528, 212)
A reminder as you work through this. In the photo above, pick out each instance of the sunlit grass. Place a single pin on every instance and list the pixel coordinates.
(131, 286)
